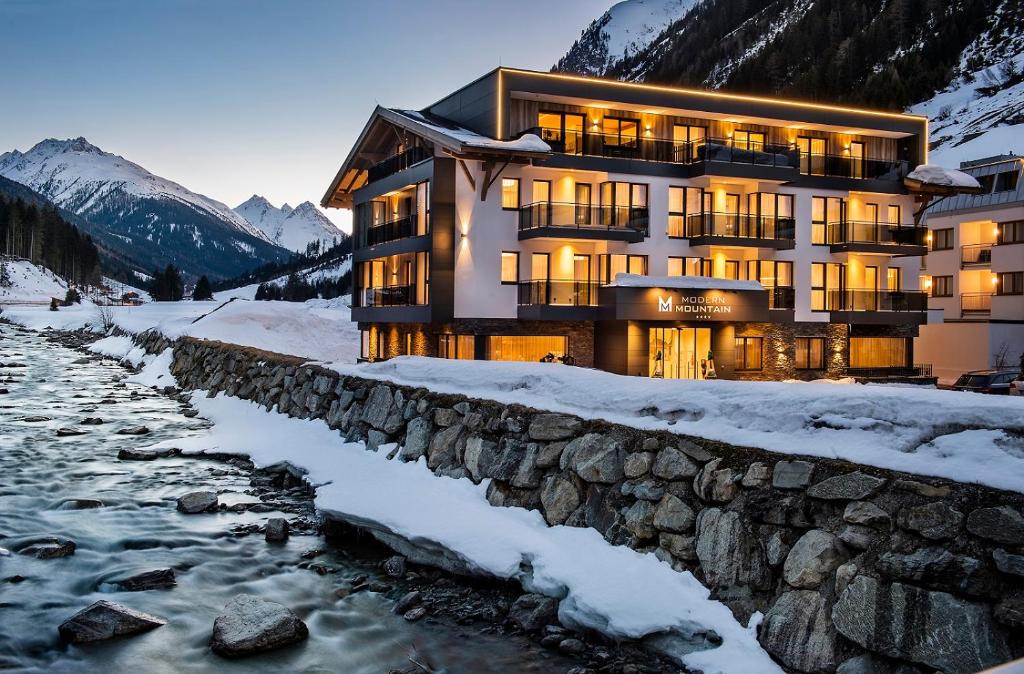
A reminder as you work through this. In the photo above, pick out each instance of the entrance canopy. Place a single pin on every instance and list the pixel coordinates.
(683, 298)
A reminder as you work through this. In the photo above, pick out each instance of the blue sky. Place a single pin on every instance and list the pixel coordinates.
(235, 97)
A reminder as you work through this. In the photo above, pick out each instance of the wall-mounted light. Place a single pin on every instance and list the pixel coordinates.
(995, 279)
(928, 237)
(995, 231)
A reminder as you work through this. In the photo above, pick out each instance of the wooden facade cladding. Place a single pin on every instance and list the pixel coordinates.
(523, 114)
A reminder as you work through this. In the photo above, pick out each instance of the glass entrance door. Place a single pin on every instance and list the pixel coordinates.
(678, 353)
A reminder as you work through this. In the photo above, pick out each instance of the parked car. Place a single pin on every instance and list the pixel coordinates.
(1017, 386)
(987, 381)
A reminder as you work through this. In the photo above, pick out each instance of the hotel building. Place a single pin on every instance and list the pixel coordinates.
(639, 229)
(974, 272)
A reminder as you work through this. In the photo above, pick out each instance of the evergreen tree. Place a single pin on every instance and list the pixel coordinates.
(167, 285)
(202, 291)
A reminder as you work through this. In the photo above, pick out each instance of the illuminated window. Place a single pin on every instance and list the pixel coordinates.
(1010, 283)
(676, 266)
(677, 211)
(872, 352)
(942, 239)
(608, 266)
(893, 278)
(810, 353)
(526, 348)
(748, 353)
(509, 267)
(510, 193)
(1011, 232)
(895, 217)
(456, 347)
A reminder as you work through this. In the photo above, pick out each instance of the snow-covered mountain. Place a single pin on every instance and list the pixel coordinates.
(960, 63)
(148, 218)
(291, 228)
(623, 31)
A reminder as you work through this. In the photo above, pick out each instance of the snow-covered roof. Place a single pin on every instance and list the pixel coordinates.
(683, 282)
(930, 175)
(527, 143)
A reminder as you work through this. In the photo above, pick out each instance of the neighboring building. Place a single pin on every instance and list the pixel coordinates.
(773, 238)
(975, 273)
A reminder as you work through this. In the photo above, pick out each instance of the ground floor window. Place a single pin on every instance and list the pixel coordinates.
(680, 353)
(456, 347)
(526, 348)
(748, 353)
(810, 353)
(371, 344)
(874, 352)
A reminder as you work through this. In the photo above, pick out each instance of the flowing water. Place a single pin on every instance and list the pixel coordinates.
(137, 529)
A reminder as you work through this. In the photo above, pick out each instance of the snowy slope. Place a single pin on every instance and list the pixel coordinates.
(27, 283)
(624, 30)
(152, 219)
(333, 269)
(288, 227)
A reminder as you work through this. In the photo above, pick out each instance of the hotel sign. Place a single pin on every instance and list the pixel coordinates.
(689, 304)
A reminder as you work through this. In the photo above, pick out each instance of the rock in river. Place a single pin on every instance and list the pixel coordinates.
(106, 620)
(133, 430)
(250, 624)
(67, 432)
(149, 580)
(277, 530)
(197, 502)
(49, 548)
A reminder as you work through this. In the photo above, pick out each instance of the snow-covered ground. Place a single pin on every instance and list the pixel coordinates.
(574, 563)
(30, 283)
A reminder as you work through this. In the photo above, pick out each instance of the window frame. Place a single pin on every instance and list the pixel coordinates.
(946, 281)
(1015, 227)
(740, 363)
(943, 233)
(518, 193)
(1017, 283)
(501, 273)
(807, 364)
(618, 134)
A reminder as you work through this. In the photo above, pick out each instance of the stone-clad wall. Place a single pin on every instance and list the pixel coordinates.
(857, 569)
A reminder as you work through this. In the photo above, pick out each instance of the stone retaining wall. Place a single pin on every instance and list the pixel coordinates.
(856, 569)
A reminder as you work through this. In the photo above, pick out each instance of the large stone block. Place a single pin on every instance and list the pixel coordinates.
(798, 631)
(597, 458)
(554, 426)
(935, 521)
(849, 487)
(730, 554)
(1002, 524)
(559, 498)
(813, 558)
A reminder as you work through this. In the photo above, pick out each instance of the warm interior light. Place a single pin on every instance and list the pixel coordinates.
(928, 237)
(995, 279)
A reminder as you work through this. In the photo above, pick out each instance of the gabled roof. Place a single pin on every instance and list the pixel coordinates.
(444, 134)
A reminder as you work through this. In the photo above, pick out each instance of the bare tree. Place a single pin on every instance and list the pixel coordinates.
(106, 316)
(1001, 358)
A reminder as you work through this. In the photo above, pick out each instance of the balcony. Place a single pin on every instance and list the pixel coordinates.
(782, 298)
(976, 255)
(389, 296)
(846, 166)
(853, 236)
(558, 300)
(876, 307)
(577, 221)
(396, 163)
(975, 305)
(736, 229)
(402, 228)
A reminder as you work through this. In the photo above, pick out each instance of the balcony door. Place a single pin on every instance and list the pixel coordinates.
(581, 280)
(856, 160)
(687, 142)
(562, 131)
(812, 155)
(540, 203)
(752, 141)
(732, 215)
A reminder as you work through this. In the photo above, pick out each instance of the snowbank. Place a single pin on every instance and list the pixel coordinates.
(930, 174)
(966, 437)
(683, 282)
(574, 563)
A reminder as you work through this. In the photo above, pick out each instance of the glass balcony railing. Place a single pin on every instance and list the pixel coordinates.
(976, 255)
(845, 166)
(583, 217)
(781, 297)
(396, 163)
(389, 296)
(874, 233)
(976, 304)
(394, 230)
(873, 300)
(738, 225)
(559, 293)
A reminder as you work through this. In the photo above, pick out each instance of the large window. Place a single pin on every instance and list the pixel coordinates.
(623, 203)
(509, 267)
(676, 266)
(1011, 232)
(562, 131)
(1010, 283)
(584, 199)
(770, 274)
(826, 278)
(812, 155)
(1006, 181)
(748, 353)
(942, 239)
(608, 266)
(456, 347)
(621, 132)
(942, 286)
(510, 194)
(825, 211)
(687, 142)
(810, 353)
(526, 348)
(894, 215)
(748, 140)
(677, 211)
(875, 352)
(696, 266)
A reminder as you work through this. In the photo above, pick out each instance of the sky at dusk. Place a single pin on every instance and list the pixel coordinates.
(236, 97)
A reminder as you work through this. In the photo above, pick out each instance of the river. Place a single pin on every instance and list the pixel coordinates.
(137, 528)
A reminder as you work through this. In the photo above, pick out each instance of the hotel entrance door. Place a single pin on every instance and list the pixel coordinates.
(679, 353)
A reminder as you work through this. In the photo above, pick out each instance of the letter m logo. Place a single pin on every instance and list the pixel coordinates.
(665, 304)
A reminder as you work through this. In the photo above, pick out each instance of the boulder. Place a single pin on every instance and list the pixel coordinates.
(1008, 563)
(1010, 610)
(673, 464)
(559, 498)
(646, 490)
(812, 559)
(394, 566)
(106, 620)
(757, 475)
(867, 514)
(160, 579)
(930, 628)
(798, 631)
(638, 464)
(934, 521)
(935, 568)
(848, 487)
(444, 448)
(674, 516)
(138, 455)
(638, 519)
(445, 417)
(531, 612)
(550, 454)
(554, 426)
(1003, 525)
(717, 485)
(52, 547)
(598, 459)
(276, 530)
(377, 407)
(92, 421)
(408, 601)
(792, 474)
(479, 456)
(197, 502)
(133, 430)
(67, 432)
(683, 547)
(776, 549)
(250, 624)
(729, 552)
(857, 536)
